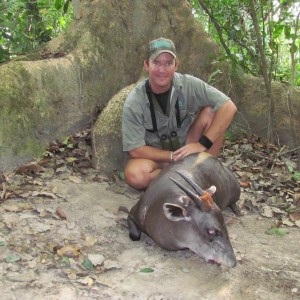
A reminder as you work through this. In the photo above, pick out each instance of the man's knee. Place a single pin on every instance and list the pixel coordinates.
(139, 173)
(132, 176)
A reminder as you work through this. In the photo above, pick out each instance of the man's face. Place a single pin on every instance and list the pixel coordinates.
(161, 71)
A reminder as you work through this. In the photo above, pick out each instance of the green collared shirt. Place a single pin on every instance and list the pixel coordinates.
(192, 94)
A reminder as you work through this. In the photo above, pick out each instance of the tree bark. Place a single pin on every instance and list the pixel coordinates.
(264, 70)
(76, 74)
(291, 92)
(73, 78)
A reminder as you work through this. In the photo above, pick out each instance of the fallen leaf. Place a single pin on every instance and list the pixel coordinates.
(3, 178)
(245, 184)
(72, 274)
(38, 182)
(62, 169)
(29, 170)
(59, 211)
(267, 212)
(105, 282)
(96, 259)
(10, 220)
(17, 207)
(12, 258)
(54, 148)
(44, 162)
(247, 147)
(296, 176)
(86, 281)
(239, 257)
(88, 264)
(294, 216)
(38, 227)
(277, 231)
(75, 179)
(71, 159)
(146, 270)
(100, 178)
(44, 194)
(90, 281)
(3, 244)
(90, 241)
(7, 195)
(110, 264)
(121, 175)
(287, 222)
(66, 260)
(278, 211)
(84, 163)
(69, 251)
(23, 277)
(284, 177)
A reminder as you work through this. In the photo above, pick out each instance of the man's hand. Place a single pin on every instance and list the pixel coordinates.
(187, 150)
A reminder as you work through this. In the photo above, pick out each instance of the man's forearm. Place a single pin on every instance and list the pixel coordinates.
(152, 153)
(221, 121)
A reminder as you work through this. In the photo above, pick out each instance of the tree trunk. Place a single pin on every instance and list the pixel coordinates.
(102, 52)
(266, 76)
(73, 78)
(291, 92)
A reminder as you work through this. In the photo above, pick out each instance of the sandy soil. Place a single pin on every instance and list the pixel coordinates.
(268, 265)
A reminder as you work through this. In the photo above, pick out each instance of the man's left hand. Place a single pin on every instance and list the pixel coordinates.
(187, 150)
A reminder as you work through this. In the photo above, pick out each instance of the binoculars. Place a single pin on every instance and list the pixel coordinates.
(170, 143)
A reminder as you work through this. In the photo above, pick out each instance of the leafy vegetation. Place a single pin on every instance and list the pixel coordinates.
(258, 37)
(26, 25)
(232, 24)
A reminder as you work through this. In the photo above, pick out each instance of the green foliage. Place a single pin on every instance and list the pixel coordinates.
(12, 258)
(230, 23)
(26, 25)
(147, 270)
(276, 231)
(296, 176)
(66, 260)
(88, 264)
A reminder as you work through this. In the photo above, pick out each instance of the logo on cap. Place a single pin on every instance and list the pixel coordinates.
(159, 46)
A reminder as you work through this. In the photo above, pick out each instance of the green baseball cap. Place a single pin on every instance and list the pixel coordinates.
(159, 46)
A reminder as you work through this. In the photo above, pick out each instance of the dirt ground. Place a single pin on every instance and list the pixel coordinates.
(35, 262)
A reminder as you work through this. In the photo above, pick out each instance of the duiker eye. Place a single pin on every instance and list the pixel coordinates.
(212, 231)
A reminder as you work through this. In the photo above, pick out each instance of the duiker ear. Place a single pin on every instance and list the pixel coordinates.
(211, 190)
(175, 212)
